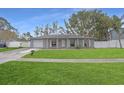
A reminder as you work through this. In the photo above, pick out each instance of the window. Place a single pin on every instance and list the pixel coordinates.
(53, 43)
(72, 43)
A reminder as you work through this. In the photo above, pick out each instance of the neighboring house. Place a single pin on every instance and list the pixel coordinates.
(62, 41)
(114, 35)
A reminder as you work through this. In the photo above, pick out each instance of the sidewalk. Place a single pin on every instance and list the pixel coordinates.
(70, 60)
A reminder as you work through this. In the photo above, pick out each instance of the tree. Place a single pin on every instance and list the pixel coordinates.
(116, 25)
(26, 36)
(81, 23)
(5, 25)
(37, 31)
(93, 23)
(46, 30)
(57, 29)
(7, 31)
(52, 29)
(103, 25)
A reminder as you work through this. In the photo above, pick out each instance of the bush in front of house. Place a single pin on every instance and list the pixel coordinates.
(32, 52)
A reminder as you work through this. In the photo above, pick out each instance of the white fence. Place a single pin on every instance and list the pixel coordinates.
(18, 44)
(108, 44)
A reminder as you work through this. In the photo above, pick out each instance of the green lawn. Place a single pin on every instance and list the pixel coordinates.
(79, 53)
(6, 49)
(61, 73)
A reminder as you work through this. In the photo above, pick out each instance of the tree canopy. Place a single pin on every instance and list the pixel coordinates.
(7, 31)
(5, 25)
(52, 29)
(93, 23)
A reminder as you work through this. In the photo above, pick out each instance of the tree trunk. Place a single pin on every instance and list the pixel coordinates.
(119, 38)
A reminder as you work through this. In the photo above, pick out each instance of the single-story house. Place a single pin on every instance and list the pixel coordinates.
(62, 41)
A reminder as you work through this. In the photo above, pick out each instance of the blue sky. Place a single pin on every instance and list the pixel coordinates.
(26, 19)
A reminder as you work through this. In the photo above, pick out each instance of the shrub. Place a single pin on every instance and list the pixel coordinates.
(78, 47)
(32, 52)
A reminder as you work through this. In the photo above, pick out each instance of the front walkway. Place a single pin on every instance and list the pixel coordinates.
(71, 60)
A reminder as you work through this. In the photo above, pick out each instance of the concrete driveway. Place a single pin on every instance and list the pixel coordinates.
(14, 54)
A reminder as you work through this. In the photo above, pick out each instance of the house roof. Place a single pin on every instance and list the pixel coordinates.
(61, 36)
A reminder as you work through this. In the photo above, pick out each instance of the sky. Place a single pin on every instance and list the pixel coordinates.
(26, 19)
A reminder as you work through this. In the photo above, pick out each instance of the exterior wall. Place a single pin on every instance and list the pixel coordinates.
(108, 44)
(67, 43)
(44, 43)
(47, 44)
(92, 43)
(86, 43)
(62, 43)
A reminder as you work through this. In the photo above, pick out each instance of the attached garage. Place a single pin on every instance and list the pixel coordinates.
(37, 43)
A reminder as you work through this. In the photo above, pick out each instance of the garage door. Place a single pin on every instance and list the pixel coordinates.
(38, 43)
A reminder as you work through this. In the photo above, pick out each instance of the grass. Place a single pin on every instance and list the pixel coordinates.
(61, 73)
(7, 49)
(78, 53)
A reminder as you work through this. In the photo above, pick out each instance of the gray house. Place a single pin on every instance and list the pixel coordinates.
(62, 41)
(114, 35)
